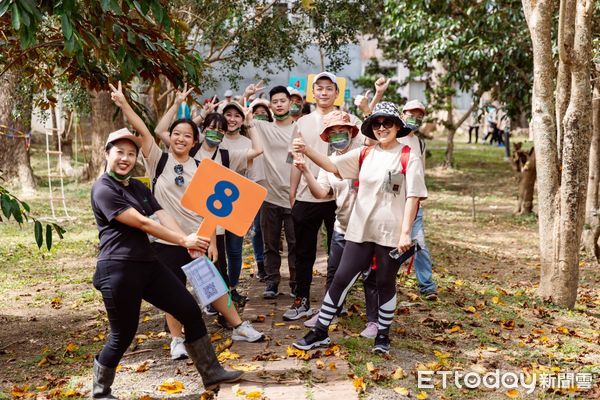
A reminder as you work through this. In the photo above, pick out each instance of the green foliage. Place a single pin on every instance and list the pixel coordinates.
(13, 207)
(373, 71)
(482, 46)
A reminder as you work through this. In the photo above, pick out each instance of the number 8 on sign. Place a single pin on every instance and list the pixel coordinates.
(224, 199)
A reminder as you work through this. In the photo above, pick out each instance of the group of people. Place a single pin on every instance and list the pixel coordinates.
(496, 125)
(364, 181)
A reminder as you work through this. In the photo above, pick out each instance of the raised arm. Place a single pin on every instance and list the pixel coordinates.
(257, 148)
(138, 124)
(315, 187)
(162, 128)
(321, 160)
(381, 86)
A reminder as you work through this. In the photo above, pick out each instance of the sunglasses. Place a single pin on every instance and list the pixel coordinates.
(387, 124)
(179, 181)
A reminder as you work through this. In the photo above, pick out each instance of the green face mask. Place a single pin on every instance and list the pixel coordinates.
(261, 117)
(413, 122)
(295, 109)
(213, 137)
(119, 177)
(339, 140)
(282, 116)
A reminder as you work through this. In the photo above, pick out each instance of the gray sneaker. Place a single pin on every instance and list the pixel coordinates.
(246, 332)
(300, 309)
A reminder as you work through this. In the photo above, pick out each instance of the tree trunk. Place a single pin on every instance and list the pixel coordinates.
(66, 142)
(561, 185)
(14, 157)
(591, 228)
(103, 111)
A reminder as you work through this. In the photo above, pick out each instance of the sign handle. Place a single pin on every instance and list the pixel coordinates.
(207, 228)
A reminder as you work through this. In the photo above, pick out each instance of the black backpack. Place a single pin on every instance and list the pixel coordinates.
(165, 156)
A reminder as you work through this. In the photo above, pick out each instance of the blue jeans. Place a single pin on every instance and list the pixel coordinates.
(233, 248)
(257, 239)
(422, 262)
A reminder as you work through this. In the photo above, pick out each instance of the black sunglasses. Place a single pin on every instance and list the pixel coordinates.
(179, 181)
(387, 124)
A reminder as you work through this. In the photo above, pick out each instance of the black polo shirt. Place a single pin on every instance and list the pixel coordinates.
(119, 241)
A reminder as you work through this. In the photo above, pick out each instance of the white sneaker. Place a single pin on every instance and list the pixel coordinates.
(370, 331)
(178, 351)
(246, 332)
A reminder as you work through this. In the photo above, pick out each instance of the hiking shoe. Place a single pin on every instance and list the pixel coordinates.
(246, 332)
(238, 299)
(210, 310)
(370, 331)
(298, 310)
(261, 274)
(382, 344)
(431, 296)
(270, 291)
(222, 322)
(314, 338)
(178, 351)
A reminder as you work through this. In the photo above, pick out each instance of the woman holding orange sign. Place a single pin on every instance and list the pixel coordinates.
(128, 272)
(171, 173)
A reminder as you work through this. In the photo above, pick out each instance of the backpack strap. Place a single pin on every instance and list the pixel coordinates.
(404, 157)
(224, 157)
(361, 158)
(421, 145)
(159, 168)
(195, 149)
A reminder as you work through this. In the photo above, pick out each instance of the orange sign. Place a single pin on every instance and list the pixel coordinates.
(223, 197)
(310, 95)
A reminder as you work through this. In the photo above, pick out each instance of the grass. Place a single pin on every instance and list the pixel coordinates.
(489, 262)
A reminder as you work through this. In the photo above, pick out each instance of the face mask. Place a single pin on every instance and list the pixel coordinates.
(339, 140)
(213, 138)
(119, 177)
(295, 109)
(412, 122)
(282, 116)
(261, 117)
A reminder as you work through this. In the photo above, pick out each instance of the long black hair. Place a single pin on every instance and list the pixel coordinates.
(216, 119)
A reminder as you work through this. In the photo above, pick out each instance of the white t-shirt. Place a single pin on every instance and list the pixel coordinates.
(379, 206)
(311, 126)
(168, 193)
(276, 144)
(344, 192)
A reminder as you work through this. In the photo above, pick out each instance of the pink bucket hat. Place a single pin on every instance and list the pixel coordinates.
(414, 105)
(337, 118)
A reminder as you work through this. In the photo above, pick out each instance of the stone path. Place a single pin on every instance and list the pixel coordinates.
(275, 374)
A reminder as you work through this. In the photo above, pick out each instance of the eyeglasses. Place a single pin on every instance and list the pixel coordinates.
(387, 124)
(179, 181)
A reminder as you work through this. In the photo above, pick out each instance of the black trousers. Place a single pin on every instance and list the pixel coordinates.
(356, 258)
(476, 129)
(272, 219)
(124, 284)
(308, 218)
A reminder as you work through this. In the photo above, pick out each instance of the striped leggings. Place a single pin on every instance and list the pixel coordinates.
(357, 257)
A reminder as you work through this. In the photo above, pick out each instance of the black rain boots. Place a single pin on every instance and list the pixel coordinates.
(103, 379)
(205, 361)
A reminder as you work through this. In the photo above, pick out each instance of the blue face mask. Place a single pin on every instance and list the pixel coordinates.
(341, 145)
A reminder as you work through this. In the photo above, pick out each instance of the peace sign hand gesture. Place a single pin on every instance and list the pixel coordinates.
(210, 106)
(117, 95)
(248, 114)
(182, 95)
(254, 88)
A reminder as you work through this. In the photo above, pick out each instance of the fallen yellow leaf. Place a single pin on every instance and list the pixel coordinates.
(224, 345)
(279, 323)
(399, 373)
(370, 367)
(215, 336)
(454, 329)
(71, 347)
(421, 395)
(320, 364)
(458, 282)
(146, 318)
(294, 327)
(171, 386)
(143, 367)
(512, 393)
(227, 355)
(469, 309)
(401, 390)
(257, 394)
(495, 299)
(245, 367)
(331, 366)
(359, 384)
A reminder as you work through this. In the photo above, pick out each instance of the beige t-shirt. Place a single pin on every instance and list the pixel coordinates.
(168, 193)
(344, 191)
(378, 211)
(255, 171)
(276, 144)
(238, 160)
(311, 126)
